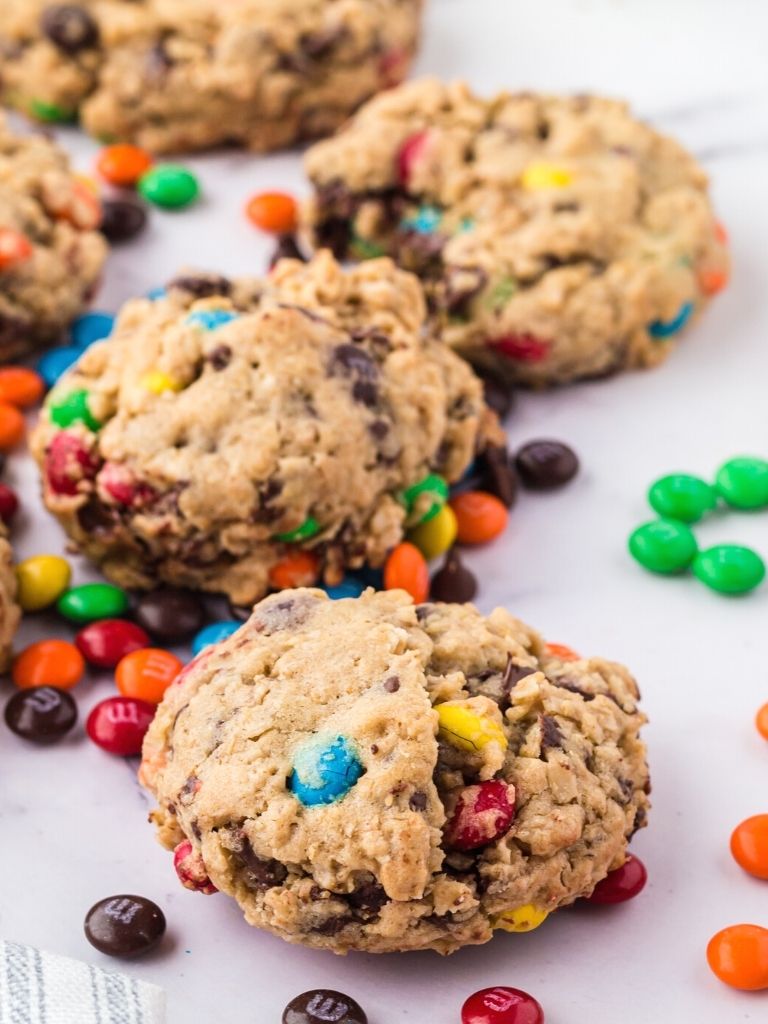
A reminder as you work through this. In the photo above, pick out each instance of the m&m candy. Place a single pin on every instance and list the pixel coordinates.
(296, 569)
(92, 601)
(761, 721)
(738, 956)
(522, 919)
(436, 535)
(464, 728)
(104, 643)
(743, 483)
(683, 497)
(324, 771)
(480, 517)
(663, 546)
(20, 386)
(11, 426)
(622, 884)
(501, 1005)
(729, 568)
(275, 212)
(169, 186)
(190, 869)
(214, 634)
(54, 364)
(123, 164)
(119, 724)
(147, 674)
(42, 579)
(48, 663)
(749, 845)
(406, 569)
(483, 813)
(42, 714)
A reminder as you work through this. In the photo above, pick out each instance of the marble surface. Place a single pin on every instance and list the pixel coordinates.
(73, 819)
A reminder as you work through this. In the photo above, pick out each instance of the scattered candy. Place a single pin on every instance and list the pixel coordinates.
(483, 814)
(15, 248)
(48, 663)
(324, 771)
(213, 634)
(464, 728)
(297, 569)
(524, 919)
(42, 580)
(436, 535)
(749, 845)
(526, 348)
(20, 387)
(349, 587)
(146, 674)
(123, 164)
(122, 220)
(119, 724)
(423, 500)
(103, 644)
(480, 516)
(406, 569)
(11, 426)
(124, 926)
(92, 601)
(729, 568)
(91, 327)
(323, 1006)
(738, 956)
(169, 186)
(683, 497)
(666, 328)
(501, 1005)
(546, 465)
(41, 714)
(308, 529)
(622, 884)
(9, 504)
(743, 483)
(54, 364)
(453, 582)
(761, 721)
(275, 212)
(664, 546)
(541, 174)
(73, 408)
(169, 613)
(190, 868)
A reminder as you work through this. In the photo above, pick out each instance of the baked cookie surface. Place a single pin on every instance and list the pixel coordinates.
(558, 238)
(180, 75)
(51, 254)
(369, 774)
(10, 613)
(233, 424)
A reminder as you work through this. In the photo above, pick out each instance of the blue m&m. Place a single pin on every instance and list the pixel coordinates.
(214, 634)
(211, 319)
(666, 328)
(324, 771)
(91, 327)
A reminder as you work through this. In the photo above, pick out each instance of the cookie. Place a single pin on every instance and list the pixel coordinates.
(366, 774)
(10, 613)
(233, 425)
(558, 237)
(51, 254)
(180, 75)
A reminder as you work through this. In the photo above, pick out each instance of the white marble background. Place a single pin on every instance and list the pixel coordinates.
(72, 820)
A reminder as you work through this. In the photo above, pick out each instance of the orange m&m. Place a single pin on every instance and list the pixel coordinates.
(273, 211)
(11, 426)
(20, 387)
(563, 652)
(739, 956)
(15, 248)
(123, 164)
(479, 516)
(146, 674)
(48, 663)
(761, 721)
(298, 569)
(749, 845)
(406, 569)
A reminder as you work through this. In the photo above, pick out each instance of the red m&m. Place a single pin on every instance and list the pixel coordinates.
(118, 725)
(622, 884)
(501, 1005)
(103, 644)
(483, 813)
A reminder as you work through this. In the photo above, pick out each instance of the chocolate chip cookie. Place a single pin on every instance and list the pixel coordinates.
(176, 75)
(238, 435)
(51, 254)
(366, 774)
(558, 237)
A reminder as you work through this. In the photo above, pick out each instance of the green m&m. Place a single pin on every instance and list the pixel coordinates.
(308, 529)
(73, 408)
(423, 500)
(51, 113)
(664, 546)
(682, 496)
(92, 601)
(729, 568)
(169, 186)
(743, 482)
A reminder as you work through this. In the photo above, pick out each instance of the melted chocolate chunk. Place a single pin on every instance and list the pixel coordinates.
(98, 519)
(354, 362)
(418, 801)
(257, 872)
(368, 898)
(392, 685)
(69, 27)
(333, 925)
(513, 673)
(287, 248)
(564, 684)
(497, 474)
(550, 733)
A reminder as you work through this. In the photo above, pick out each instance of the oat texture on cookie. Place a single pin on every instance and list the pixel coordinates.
(370, 774)
(51, 253)
(176, 75)
(558, 237)
(10, 613)
(235, 436)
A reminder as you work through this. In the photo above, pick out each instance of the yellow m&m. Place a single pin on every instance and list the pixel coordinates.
(542, 174)
(437, 535)
(464, 728)
(523, 919)
(157, 382)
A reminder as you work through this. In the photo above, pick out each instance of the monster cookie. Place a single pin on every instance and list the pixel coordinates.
(10, 613)
(187, 74)
(558, 238)
(237, 435)
(369, 774)
(50, 252)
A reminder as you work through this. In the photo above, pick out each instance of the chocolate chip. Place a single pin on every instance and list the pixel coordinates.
(41, 714)
(122, 219)
(319, 44)
(392, 685)
(563, 684)
(354, 362)
(69, 27)
(287, 248)
(333, 925)
(453, 582)
(513, 673)
(498, 394)
(418, 801)
(334, 233)
(460, 285)
(497, 474)
(124, 925)
(550, 733)
(158, 62)
(220, 357)
(368, 897)
(545, 465)
(202, 286)
(259, 872)
(170, 614)
(323, 1006)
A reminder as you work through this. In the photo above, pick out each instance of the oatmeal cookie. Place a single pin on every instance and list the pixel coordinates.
(176, 75)
(10, 613)
(51, 254)
(233, 425)
(372, 775)
(558, 237)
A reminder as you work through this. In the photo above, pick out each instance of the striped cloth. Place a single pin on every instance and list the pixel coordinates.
(43, 988)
